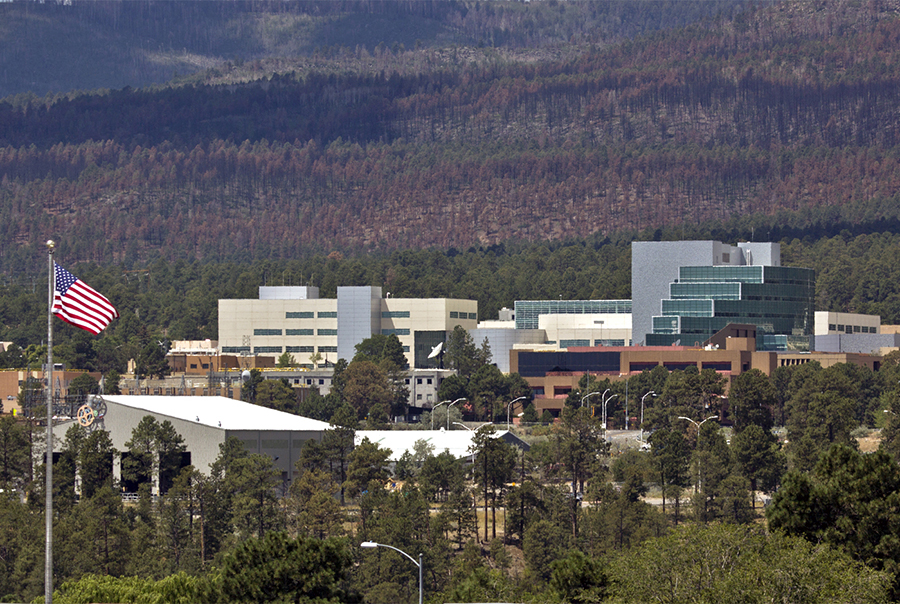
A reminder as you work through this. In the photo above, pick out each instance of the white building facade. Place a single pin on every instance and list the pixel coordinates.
(297, 321)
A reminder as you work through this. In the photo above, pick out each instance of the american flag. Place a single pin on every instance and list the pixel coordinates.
(77, 303)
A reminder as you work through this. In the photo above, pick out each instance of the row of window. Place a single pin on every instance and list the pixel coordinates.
(308, 314)
(396, 332)
(586, 343)
(276, 349)
(279, 349)
(295, 332)
(463, 315)
(852, 328)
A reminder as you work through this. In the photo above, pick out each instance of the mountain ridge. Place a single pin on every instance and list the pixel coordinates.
(778, 110)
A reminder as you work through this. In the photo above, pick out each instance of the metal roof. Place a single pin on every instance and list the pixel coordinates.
(457, 442)
(219, 412)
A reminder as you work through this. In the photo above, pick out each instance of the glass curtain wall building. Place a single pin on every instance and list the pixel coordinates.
(704, 299)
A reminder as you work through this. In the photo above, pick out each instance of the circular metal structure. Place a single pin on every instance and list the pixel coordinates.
(85, 415)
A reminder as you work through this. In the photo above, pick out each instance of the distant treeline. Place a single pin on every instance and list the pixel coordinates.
(178, 300)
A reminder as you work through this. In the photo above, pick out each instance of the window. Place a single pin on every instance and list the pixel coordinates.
(193, 365)
(395, 332)
(235, 349)
(418, 397)
(454, 314)
(328, 314)
(832, 327)
(418, 380)
(205, 365)
(395, 314)
(428, 381)
(299, 315)
(726, 257)
(267, 332)
(300, 348)
(327, 348)
(473, 316)
(298, 332)
(266, 349)
(321, 382)
(327, 332)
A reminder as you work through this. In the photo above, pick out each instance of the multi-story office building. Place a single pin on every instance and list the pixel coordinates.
(295, 320)
(686, 291)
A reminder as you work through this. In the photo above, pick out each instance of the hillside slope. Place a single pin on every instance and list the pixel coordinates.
(789, 114)
(55, 47)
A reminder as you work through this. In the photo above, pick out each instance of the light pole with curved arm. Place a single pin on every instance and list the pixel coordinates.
(448, 410)
(653, 394)
(432, 411)
(371, 544)
(586, 396)
(604, 402)
(699, 466)
(509, 407)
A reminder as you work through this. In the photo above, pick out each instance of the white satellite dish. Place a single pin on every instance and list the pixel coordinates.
(436, 350)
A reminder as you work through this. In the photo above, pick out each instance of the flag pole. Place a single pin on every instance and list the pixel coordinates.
(48, 461)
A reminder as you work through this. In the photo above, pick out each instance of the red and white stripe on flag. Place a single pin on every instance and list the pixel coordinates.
(79, 304)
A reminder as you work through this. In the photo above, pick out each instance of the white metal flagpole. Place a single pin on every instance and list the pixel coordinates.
(48, 462)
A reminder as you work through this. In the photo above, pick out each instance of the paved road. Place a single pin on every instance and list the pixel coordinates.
(625, 439)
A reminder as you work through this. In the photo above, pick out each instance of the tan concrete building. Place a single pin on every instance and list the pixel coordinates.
(322, 330)
(827, 323)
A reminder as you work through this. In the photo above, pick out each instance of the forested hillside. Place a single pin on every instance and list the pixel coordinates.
(791, 107)
(55, 47)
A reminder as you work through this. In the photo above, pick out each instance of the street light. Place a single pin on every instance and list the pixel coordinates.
(653, 394)
(699, 466)
(698, 424)
(371, 544)
(448, 411)
(432, 411)
(606, 400)
(472, 429)
(585, 397)
(509, 407)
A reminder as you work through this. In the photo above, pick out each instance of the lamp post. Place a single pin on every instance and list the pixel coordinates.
(653, 394)
(371, 544)
(585, 397)
(472, 429)
(448, 411)
(604, 402)
(509, 407)
(699, 466)
(432, 411)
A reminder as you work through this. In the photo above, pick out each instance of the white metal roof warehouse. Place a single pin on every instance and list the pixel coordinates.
(204, 422)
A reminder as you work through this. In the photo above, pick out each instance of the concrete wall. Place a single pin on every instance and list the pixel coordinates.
(359, 317)
(654, 264)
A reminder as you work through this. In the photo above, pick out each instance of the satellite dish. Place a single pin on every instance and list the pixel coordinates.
(436, 350)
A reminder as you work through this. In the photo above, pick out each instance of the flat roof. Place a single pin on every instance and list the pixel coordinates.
(219, 412)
